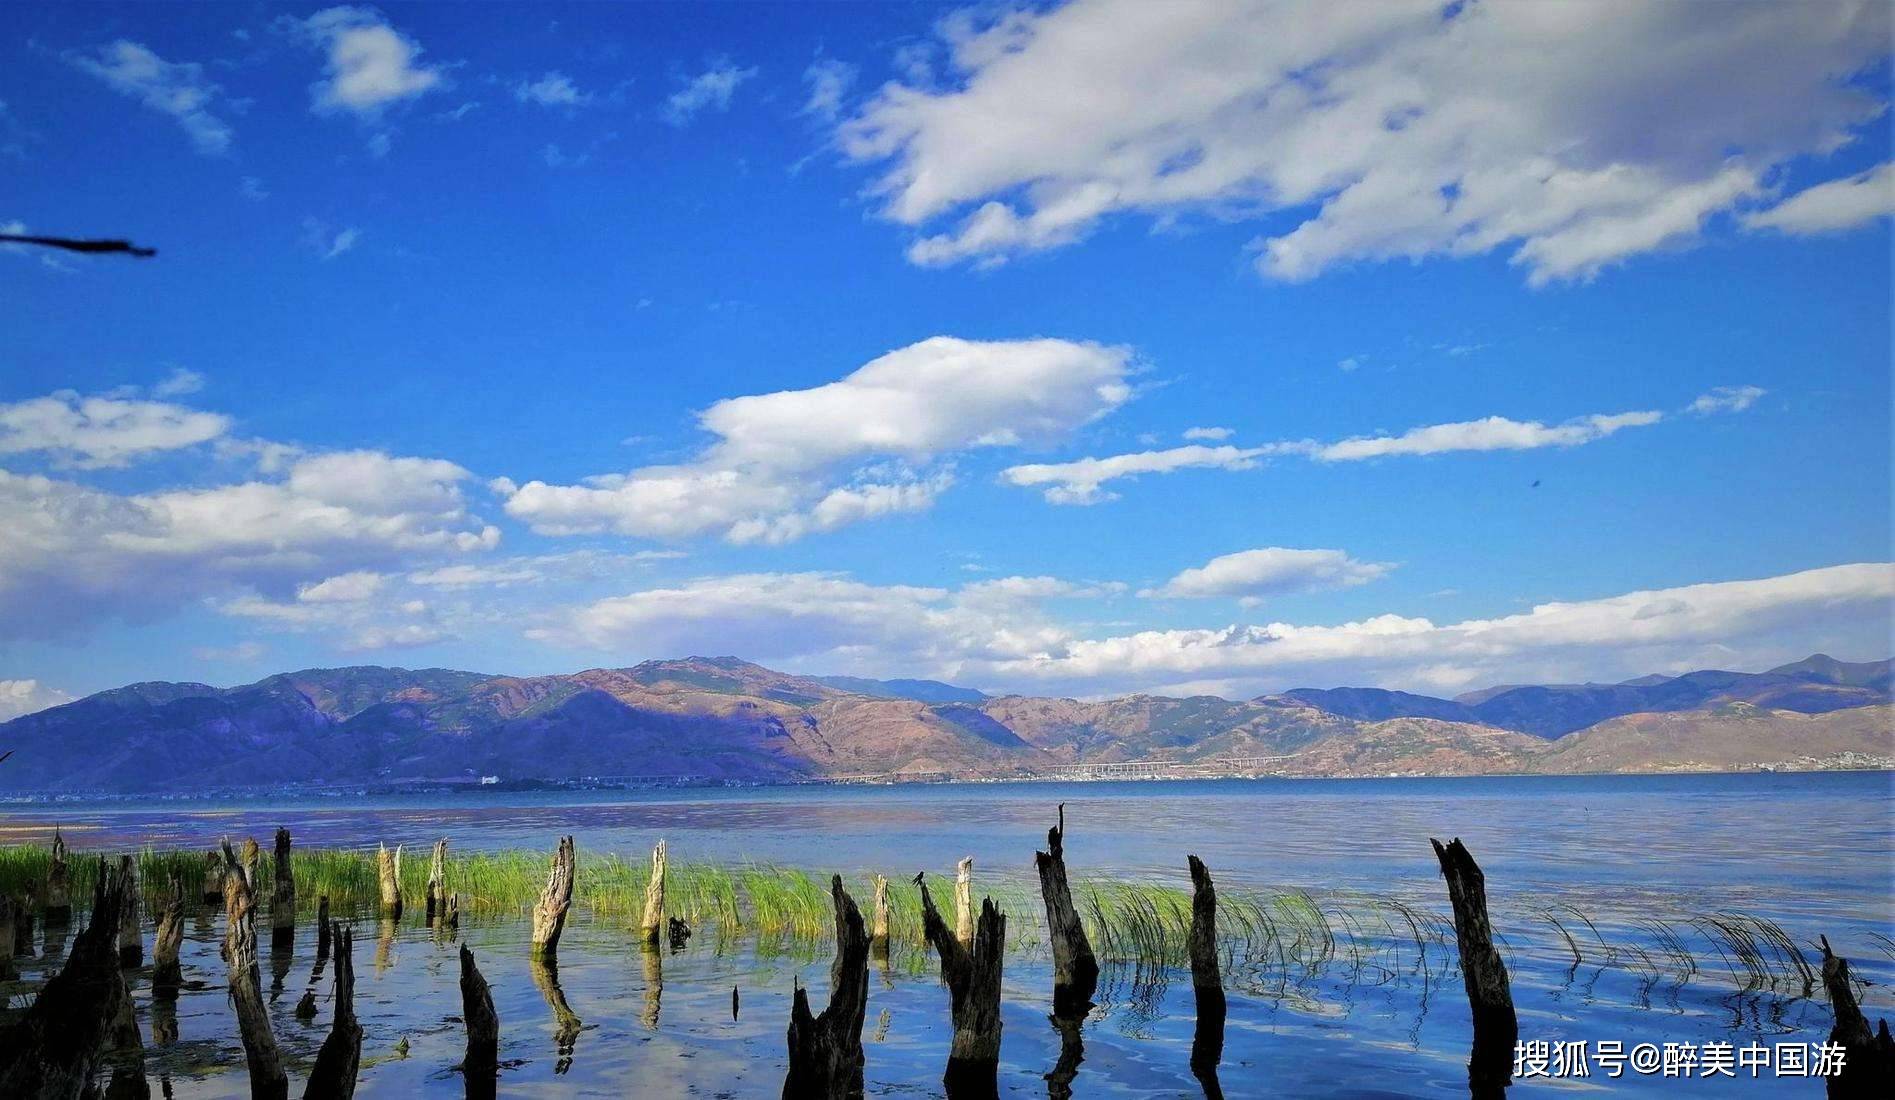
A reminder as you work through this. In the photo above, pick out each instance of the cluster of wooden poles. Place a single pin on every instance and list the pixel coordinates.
(60, 1046)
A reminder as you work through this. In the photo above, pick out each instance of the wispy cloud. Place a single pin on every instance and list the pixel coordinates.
(709, 90)
(175, 88)
(1833, 206)
(555, 89)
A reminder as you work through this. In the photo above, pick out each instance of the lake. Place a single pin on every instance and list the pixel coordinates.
(1606, 893)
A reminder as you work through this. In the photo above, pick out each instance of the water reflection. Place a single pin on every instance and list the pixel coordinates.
(566, 1023)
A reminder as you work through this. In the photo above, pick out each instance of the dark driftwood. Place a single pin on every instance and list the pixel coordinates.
(566, 1023)
(1075, 968)
(437, 882)
(679, 935)
(481, 1066)
(333, 1077)
(131, 944)
(267, 1078)
(549, 916)
(322, 928)
(58, 892)
(56, 1048)
(388, 872)
(1868, 1064)
(283, 897)
(1207, 983)
(166, 976)
(1496, 1028)
(826, 1057)
(973, 981)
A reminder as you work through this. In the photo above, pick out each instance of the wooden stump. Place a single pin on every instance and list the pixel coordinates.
(388, 868)
(437, 882)
(322, 928)
(973, 981)
(340, 1059)
(1207, 983)
(1868, 1064)
(1496, 1027)
(166, 975)
(58, 892)
(654, 923)
(451, 923)
(1075, 968)
(268, 1081)
(549, 916)
(481, 1066)
(22, 926)
(283, 896)
(213, 878)
(8, 972)
(826, 1057)
(131, 944)
(57, 1047)
(566, 1023)
(878, 934)
(964, 901)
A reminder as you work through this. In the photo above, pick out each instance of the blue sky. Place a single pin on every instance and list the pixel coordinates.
(439, 359)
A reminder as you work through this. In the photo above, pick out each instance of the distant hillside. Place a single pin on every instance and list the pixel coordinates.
(726, 719)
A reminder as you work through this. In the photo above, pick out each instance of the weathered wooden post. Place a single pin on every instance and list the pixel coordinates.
(213, 892)
(566, 1023)
(1207, 983)
(55, 1049)
(131, 944)
(1868, 1062)
(973, 981)
(964, 901)
(481, 1066)
(58, 892)
(252, 862)
(339, 1060)
(1075, 968)
(283, 897)
(437, 882)
(166, 975)
(549, 916)
(826, 1057)
(1496, 1027)
(878, 934)
(22, 925)
(388, 866)
(653, 925)
(267, 1078)
(322, 928)
(451, 923)
(8, 972)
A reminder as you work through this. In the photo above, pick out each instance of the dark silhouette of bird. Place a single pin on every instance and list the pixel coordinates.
(1535, 485)
(4, 755)
(918, 874)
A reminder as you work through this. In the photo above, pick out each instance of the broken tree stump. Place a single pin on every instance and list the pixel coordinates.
(654, 920)
(58, 892)
(1075, 967)
(481, 1065)
(878, 932)
(388, 867)
(566, 1023)
(333, 1076)
(437, 882)
(268, 1081)
(131, 944)
(8, 972)
(1868, 1064)
(451, 923)
(322, 928)
(826, 1059)
(973, 981)
(1207, 982)
(213, 878)
(166, 976)
(549, 916)
(56, 1048)
(1496, 1027)
(22, 926)
(964, 901)
(282, 896)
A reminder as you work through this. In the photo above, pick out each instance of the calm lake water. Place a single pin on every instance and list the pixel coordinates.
(1814, 853)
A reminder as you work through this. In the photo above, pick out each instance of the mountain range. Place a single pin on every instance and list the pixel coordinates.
(725, 719)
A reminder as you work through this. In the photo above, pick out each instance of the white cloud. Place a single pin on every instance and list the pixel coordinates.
(555, 89)
(100, 432)
(250, 187)
(775, 471)
(328, 242)
(1081, 481)
(343, 588)
(370, 64)
(1723, 399)
(1251, 575)
(829, 81)
(1572, 136)
(176, 88)
(179, 382)
(998, 636)
(710, 90)
(1833, 206)
(1347, 365)
(18, 697)
(1209, 435)
(1492, 433)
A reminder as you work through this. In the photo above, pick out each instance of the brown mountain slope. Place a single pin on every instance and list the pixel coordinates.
(1735, 736)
